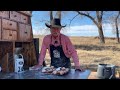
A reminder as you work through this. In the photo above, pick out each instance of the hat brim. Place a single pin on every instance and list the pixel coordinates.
(49, 26)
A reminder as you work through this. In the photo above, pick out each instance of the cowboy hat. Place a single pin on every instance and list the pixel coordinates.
(55, 23)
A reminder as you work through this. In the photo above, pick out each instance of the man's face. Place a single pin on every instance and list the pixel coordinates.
(55, 31)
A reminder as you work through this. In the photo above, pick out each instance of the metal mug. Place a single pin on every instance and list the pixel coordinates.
(106, 71)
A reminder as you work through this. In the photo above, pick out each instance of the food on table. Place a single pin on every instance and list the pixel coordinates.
(61, 71)
(48, 69)
(55, 71)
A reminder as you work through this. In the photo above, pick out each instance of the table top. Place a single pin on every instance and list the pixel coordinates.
(37, 74)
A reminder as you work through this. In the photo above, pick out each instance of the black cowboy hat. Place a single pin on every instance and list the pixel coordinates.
(55, 23)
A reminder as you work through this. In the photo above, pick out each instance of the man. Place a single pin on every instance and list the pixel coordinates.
(59, 46)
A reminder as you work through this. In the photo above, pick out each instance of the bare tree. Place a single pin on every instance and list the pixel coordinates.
(97, 21)
(114, 20)
(59, 14)
(116, 25)
(51, 16)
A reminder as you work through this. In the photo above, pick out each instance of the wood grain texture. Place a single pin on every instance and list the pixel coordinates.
(7, 53)
(9, 35)
(29, 54)
(25, 32)
(4, 14)
(15, 16)
(16, 28)
(6, 56)
(8, 24)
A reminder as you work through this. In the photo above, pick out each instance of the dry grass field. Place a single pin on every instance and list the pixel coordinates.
(91, 52)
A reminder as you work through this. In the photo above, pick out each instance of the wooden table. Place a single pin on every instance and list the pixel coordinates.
(37, 74)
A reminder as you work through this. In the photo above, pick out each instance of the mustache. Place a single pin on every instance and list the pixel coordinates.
(56, 33)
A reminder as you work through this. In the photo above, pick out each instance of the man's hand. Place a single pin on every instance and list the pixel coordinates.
(79, 68)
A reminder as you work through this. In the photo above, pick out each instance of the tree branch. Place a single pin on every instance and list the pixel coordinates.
(87, 15)
(72, 19)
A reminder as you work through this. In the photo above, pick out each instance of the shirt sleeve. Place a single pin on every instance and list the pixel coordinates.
(42, 52)
(73, 52)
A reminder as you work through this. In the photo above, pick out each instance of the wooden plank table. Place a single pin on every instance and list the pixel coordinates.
(37, 74)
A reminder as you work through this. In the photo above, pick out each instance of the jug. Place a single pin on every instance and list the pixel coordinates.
(19, 62)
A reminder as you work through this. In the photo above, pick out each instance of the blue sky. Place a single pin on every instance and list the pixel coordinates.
(79, 26)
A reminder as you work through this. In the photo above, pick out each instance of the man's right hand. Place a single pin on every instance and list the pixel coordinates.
(36, 67)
